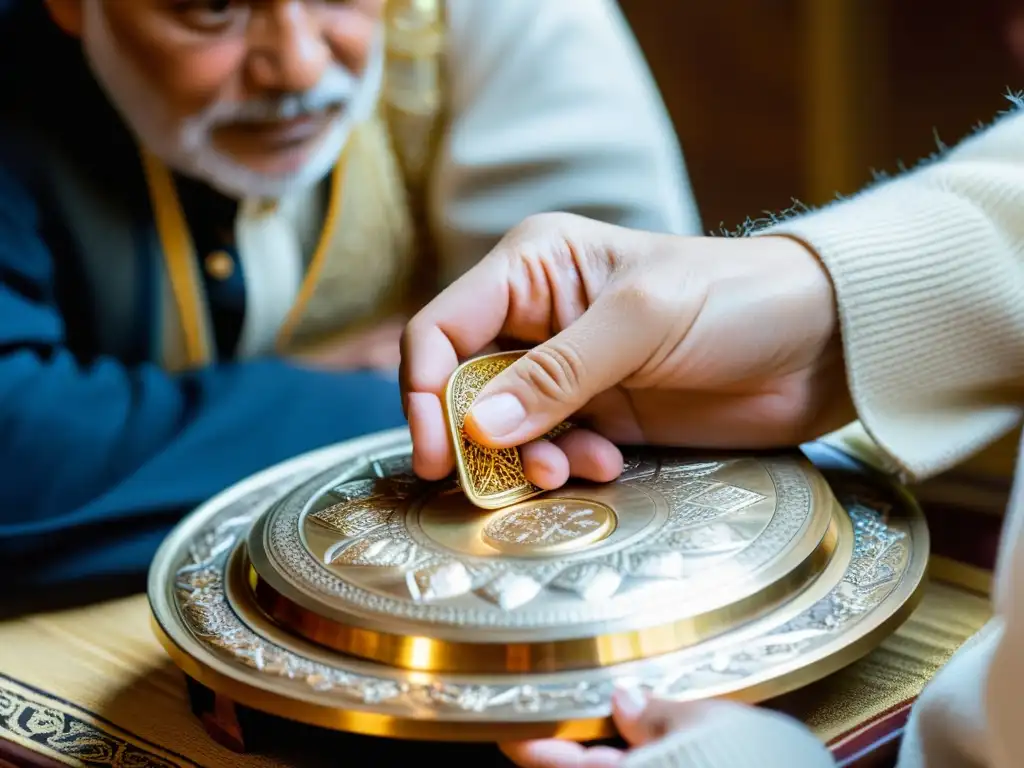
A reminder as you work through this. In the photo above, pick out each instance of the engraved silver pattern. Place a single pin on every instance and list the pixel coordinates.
(699, 509)
(880, 553)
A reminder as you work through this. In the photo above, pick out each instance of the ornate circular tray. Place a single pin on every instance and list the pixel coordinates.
(380, 565)
(493, 631)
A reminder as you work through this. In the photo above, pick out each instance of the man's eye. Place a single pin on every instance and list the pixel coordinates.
(209, 13)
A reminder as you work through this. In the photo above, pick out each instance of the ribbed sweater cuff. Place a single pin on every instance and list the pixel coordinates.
(928, 299)
(755, 739)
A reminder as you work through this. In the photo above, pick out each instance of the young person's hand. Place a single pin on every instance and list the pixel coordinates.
(642, 338)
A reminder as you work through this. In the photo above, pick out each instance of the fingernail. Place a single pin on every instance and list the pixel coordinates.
(498, 415)
(629, 700)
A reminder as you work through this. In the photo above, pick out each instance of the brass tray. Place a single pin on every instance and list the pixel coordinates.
(203, 592)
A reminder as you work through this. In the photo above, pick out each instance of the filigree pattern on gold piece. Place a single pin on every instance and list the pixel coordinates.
(880, 554)
(491, 471)
(490, 475)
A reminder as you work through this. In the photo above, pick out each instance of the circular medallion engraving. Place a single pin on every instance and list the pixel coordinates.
(548, 526)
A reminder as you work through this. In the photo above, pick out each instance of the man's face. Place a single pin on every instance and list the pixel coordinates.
(255, 97)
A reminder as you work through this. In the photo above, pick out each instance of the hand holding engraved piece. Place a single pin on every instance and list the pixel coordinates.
(491, 478)
(646, 338)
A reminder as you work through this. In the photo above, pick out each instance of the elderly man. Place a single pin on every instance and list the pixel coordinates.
(215, 215)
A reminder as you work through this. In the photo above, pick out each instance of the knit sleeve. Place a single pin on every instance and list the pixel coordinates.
(929, 277)
(747, 738)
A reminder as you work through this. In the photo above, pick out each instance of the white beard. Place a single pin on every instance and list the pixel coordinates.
(187, 145)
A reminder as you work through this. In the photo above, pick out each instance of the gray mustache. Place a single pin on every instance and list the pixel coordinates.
(285, 108)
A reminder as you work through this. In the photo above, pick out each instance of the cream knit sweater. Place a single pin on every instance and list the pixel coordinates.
(929, 277)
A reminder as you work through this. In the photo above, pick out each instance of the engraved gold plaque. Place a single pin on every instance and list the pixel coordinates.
(345, 540)
(490, 478)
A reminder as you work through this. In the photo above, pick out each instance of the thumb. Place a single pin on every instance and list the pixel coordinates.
(557, 378)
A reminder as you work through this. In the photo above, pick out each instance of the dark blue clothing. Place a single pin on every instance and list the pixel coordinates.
(102, 451)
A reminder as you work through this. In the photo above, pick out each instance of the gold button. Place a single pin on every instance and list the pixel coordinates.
(219, 265)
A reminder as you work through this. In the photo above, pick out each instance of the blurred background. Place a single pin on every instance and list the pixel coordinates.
(782, 99)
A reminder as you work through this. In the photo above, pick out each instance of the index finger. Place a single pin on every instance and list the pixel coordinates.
(463, 319)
